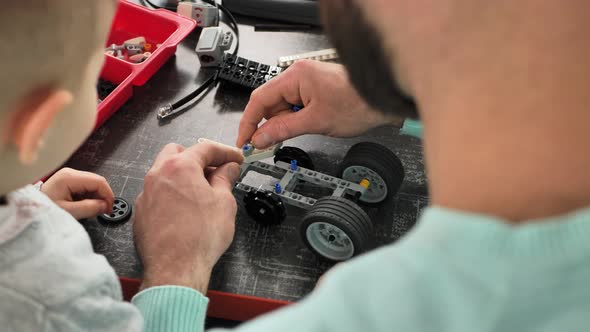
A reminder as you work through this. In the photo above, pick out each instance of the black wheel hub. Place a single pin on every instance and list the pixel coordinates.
(288, 153)
(265, 207)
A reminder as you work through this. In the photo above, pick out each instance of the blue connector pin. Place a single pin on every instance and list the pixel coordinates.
(247, 149)
(293, 165)
(296, 108)
(278, 188)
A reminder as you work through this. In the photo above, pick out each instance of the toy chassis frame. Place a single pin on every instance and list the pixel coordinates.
(289, 179)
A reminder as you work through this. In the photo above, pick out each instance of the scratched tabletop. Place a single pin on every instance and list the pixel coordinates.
(268, 262)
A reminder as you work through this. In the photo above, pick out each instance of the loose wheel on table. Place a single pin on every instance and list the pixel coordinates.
(121, 211)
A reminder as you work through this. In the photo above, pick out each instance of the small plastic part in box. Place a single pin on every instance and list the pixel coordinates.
(158, 27)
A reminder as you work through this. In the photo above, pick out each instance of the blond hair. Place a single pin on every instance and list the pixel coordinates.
(44, 43)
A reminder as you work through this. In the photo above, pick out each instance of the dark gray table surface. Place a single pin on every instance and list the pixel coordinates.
(264, 262)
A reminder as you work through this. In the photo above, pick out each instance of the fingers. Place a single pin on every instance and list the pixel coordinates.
(167, 151)
(85, 208)
(225, 176)
(212, 154)
(276, 95)
(208, 171)
(80, 182)
(253, 114)
(285, 125)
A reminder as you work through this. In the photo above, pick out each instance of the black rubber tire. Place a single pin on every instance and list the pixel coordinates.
(288, 153)
(379, 159)
(344, 214)
(122, 211)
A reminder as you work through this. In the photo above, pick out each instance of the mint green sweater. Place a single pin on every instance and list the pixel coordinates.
(454, 272)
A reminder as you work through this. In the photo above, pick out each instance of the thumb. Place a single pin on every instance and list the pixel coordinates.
(283, 126)
(85, 208)
(224, 177)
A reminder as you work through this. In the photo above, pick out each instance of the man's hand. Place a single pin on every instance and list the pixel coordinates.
(185, 216)
(331, 106)
(82, 194)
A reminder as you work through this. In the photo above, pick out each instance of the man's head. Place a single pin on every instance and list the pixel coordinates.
(52, 52)
(362, 51)
(501, 87)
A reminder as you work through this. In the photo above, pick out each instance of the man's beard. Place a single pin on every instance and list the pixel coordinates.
(362, 53)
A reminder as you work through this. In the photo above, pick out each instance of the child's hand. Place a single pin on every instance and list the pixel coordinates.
(82, 194)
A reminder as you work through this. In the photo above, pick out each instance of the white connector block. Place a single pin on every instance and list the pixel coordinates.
(320, 55)
(259, 154)
(213, 42)
(251, 154)
(205, 14)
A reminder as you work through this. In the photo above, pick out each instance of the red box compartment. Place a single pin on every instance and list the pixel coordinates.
(158, 27)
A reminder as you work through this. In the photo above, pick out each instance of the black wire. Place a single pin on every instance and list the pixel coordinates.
(156, 6)
(236, 29)
(233, 24)
(195, 93)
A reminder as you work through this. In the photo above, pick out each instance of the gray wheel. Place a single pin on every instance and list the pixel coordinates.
(336, 229)
(329, 241)
(377, 191)
(376, 164)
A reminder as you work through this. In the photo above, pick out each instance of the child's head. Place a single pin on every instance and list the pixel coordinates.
(51, 53)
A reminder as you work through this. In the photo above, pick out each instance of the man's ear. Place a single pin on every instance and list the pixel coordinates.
(31, 118)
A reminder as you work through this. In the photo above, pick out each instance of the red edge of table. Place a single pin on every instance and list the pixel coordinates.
(221, 305)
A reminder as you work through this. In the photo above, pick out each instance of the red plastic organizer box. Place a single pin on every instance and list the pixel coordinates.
(158, 27)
